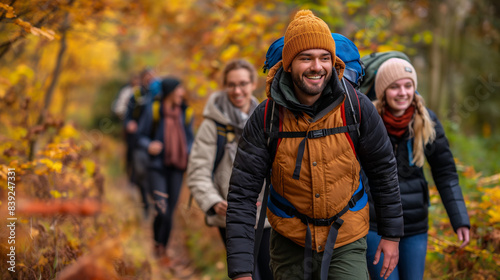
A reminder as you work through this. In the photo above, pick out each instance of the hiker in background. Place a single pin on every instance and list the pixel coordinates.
(416, 134)
(138, 157)
(317, 205)
(120, 104)
(166, 133)
(119, 107)
(214, 149)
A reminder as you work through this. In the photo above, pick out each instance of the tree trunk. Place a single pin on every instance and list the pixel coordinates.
(53, 84)
(434, 99)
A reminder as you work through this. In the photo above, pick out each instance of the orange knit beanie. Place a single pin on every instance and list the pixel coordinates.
(306, 31)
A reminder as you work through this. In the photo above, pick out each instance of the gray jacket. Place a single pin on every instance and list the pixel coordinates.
(208, 190)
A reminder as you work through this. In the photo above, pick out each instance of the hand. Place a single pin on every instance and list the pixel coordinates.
(391, 256)
(155, 147)
(221, 208)
(463, 235)
(243, 278)
(131, 126)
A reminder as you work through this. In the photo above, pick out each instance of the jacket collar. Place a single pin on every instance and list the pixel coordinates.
(279, 87)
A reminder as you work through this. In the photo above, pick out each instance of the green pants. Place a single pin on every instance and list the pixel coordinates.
(287, 260)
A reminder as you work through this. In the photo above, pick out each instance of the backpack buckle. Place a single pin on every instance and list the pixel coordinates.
(316, 133)
(352, 203)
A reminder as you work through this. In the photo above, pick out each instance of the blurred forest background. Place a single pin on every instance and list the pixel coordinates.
(62, 63)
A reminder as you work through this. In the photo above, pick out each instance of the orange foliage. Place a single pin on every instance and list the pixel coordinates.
(481, 258)
(76, 207)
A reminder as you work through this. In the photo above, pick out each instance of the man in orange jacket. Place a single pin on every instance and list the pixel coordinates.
(317, 208)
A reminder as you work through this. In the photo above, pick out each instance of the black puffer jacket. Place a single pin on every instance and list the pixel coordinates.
(253, 162)
(414, 189)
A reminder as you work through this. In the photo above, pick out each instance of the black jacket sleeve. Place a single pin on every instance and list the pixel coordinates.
(377, 159)
(250, 168)
(445, 176)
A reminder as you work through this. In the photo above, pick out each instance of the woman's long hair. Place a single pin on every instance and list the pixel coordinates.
(421, 127)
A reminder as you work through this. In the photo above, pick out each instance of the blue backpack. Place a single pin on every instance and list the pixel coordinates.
(345, 49)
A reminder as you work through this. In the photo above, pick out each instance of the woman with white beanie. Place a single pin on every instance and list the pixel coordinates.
(416, 134)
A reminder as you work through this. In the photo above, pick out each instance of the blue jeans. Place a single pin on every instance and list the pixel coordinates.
(412, 251)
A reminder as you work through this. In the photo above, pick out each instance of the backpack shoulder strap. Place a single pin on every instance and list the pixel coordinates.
(352, 111)
(189, 114)
(272, 126)
(156, 110)
(222, 131)
(156, 115)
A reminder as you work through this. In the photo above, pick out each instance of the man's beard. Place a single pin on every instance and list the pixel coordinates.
(311, 90)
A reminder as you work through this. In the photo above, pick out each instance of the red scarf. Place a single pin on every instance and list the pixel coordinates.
(397, 126)
(174, 138)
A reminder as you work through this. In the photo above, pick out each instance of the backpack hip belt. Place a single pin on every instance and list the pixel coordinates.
(275, 200)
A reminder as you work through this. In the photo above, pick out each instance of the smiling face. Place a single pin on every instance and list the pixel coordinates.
(239, 87)
(399, 96)
(311, 71)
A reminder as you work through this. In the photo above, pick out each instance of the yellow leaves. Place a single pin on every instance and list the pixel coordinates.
(18, 133)
(47, 33)
(230, 52)
(425, 37)
(52, 166)
(69, 132)
(202, 91)
(10, 13)
(212, 85)
(24, 24)
(259, 19)
(385, 48)
(90, 52)
(178, 6)
(428, 36)
(494, 215)
(353, 6)
(56, 194)
(10, 10)
(42, 261)
(58, 150)
(490, 201)
(89, 166)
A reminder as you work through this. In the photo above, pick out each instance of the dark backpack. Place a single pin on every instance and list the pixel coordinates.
(222, 137)
(223, 131)
(273, 115)
(372, 62)
(345, 49)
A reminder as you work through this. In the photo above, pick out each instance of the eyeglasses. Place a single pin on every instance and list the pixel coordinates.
(231, 86)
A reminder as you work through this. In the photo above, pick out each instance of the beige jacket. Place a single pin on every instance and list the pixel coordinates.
(207, 191)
